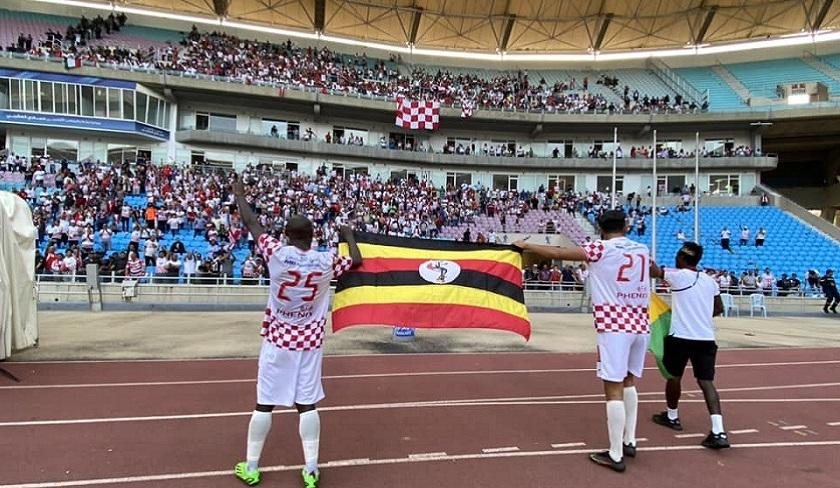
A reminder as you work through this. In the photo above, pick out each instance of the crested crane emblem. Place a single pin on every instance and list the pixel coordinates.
(439, 272)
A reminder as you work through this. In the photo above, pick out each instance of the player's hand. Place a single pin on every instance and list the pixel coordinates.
(345, 231)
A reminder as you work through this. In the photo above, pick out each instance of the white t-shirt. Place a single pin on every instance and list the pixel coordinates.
(725, 234)
(693, 306)
(620, 283)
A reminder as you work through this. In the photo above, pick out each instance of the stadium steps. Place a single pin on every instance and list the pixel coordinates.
(721, 95)
(734, 83)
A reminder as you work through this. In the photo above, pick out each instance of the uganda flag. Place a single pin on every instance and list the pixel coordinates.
(432, 284)
(660, 327)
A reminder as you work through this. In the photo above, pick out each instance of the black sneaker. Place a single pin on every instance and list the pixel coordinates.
(716, 441)
(630, 450)
(825, 309)
(662, 419)
(604, 459)
(834, 309)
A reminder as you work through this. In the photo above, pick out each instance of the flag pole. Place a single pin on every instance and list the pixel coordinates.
(697, 187)
(653, 202)
(615, 147)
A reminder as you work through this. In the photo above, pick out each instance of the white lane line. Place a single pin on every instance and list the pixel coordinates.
(568, 444)
(347, 462)
(744, 431)
(371, 375)
(500, 449)
(687, 436)
(382, 406)
(426, 455)
(327, 377)
(793, 427)
(834, 424)
(392, 461)
(641, 439)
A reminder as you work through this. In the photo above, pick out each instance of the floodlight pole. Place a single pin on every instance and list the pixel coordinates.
(653, 203)
(697, 187)
(614, 151)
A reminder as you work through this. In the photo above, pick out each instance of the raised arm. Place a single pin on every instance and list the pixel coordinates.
(350, 239)
(552, 252)
(656, 271)
(249, 218)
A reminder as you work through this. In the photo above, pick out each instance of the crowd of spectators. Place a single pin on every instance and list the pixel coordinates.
(79, 219)
(287, 64)
(89, 208)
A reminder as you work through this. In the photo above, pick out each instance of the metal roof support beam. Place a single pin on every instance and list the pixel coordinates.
(220, 7)
(606, 19)
(821, 15)
(710, 15)
(320, 11)
(505, 38)
(415, 25)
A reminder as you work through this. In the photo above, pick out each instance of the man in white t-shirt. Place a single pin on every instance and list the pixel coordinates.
(745, 236)
(620, 287)
(293, 327)
(725, 236)
(695, 299)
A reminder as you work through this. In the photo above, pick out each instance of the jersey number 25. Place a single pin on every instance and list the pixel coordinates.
(295, 281)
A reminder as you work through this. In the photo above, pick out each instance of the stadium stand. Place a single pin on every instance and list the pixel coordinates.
(791, 245)
(721, 96)
(762, 77)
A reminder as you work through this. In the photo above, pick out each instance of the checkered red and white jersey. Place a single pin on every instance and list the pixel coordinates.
(620, 284)
(299, 294)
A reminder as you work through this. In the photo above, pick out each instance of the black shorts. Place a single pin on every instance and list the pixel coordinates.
(678, 352)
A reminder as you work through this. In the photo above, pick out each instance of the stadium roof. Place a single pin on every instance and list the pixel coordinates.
(525, 26)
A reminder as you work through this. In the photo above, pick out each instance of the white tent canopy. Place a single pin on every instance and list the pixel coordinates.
(18, 298)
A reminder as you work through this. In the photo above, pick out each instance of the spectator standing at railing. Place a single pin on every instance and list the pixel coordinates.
(190, 265)
(161, 264)
(135, 268)
(767, 280)
(795, 284)
(150, 251)
(724, 281)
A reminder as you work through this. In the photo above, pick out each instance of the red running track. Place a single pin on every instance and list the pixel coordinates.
(470, 420)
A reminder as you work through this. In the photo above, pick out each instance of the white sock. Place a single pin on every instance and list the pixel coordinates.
(257, 432)
(717, 424)
(615, 426)
(673, 414)
(310, 435)
(631, 409)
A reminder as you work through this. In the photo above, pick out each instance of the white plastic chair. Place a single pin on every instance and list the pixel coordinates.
(757, 303)
(729, 304)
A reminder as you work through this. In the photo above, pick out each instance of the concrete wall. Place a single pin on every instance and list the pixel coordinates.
(57, 296)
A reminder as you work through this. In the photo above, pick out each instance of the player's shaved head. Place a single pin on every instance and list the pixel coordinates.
(299, 228)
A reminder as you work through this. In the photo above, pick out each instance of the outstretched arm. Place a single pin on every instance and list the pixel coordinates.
(249, 218)
(552, 252)
(355, 254)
